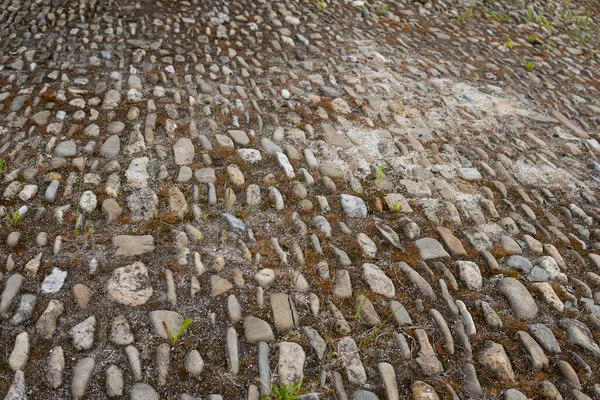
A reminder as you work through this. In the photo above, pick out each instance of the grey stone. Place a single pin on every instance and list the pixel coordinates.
(257, 330)
(519, 298)
(142, 391)
(291, 363)
(82, 334)
(66, 149)
(172, 319)
(130, 285)
(578, 334)
(111, 147)
(378, 281)
(128, 245)
(430, 249)
(353, 206)
(81, 376)
(284, 311)
(11, 289)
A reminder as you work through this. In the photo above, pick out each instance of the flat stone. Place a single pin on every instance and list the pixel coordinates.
(519, 298)
(128, 245)
(66, 149)
(342, 288)
(177, 202)
(423, 391)
(81, 376)
(427, 360)
(20, 353)
(349, 357)
(11, 289)
(171, 318)
(205, 175)
(142, 391)
(111, 147)
(545, 338)
(389, 235)
(417, 281)
(353, 206)
(219, 285)
(334, 138)
(130, 285)
(284, 311)
(54, 282)
(537, 357)
(114, 381)
(578, 334)
(399, 313)
(470, 274)
(194, 364)
(83, 334)
(137, 175)
(493, 358)
(430, 249)
(394, 199)
(111, 210)
(142, 204)
(316, 341)
(184, 151)
(453, 244)
(239, 137)
(120, 332)
(378, 281)
(470, 174)
(291, 363)
(257, 330)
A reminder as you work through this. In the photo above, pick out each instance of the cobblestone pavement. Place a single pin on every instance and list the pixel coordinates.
(341, 200)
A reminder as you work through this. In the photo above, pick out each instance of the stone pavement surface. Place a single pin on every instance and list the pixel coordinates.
(349, 200)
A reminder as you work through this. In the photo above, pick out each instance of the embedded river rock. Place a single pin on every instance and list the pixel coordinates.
(371, 199)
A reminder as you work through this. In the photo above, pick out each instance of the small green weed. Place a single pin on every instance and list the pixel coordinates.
(3, 166)
(529, 65)
(533, 39)
(466, 16)
(284, 392)
(509, 44)
(379, 174)
(383, 9)
(495, 15)
(14, 218)
(397, 207)
(321, 4)
(174, 337)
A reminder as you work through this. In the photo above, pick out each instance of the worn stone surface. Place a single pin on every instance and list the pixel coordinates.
(381, 187)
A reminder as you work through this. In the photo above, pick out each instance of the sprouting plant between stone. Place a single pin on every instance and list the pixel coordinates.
(174, 337)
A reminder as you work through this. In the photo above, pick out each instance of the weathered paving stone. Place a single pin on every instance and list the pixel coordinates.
(142, 391)
(378, 281)
(291, 363)
(493, 358)
(284, 311)
(578, 334)
(128, 245)
(130, 285)
(172, 319)
(257, 330)
(355, 371)
(82, 334)
(519, 299)
(81, 376)
(431, 249)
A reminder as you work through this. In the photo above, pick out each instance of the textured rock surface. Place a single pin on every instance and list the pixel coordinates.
(380, 199)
